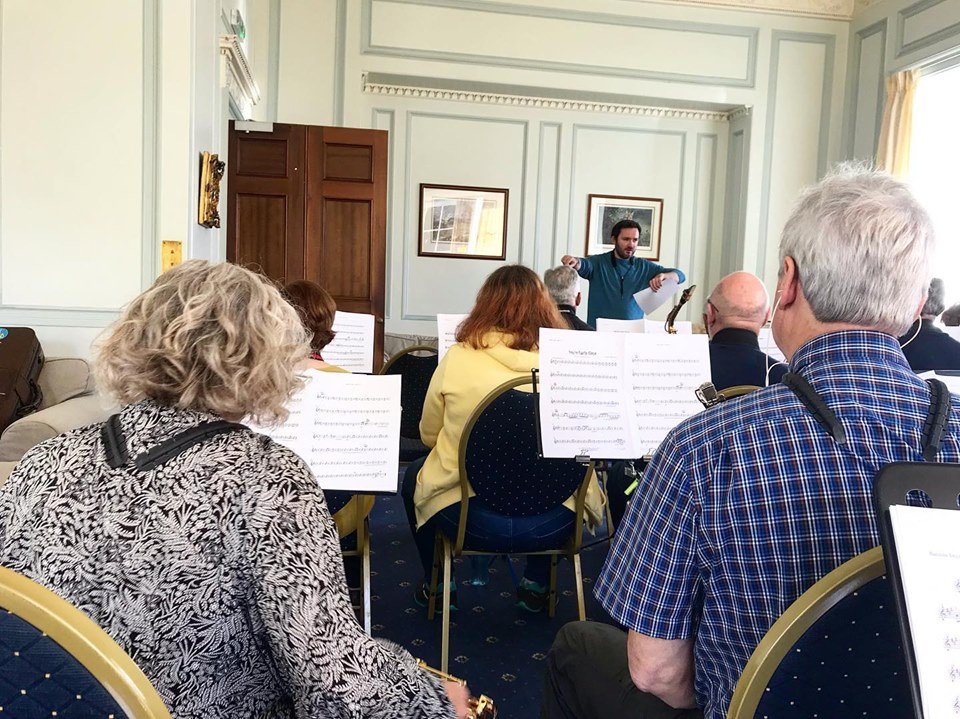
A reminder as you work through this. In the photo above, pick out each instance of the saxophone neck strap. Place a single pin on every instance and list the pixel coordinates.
(116, 444)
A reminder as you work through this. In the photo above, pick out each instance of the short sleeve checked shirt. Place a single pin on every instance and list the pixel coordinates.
(746, 505)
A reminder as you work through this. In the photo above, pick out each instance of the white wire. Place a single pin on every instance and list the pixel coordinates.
(919, 325)
(766, 349)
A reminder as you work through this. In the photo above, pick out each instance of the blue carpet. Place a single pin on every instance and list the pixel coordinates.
(498, 648)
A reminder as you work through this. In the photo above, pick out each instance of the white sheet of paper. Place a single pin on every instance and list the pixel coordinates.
(656, 327)
(663, 373)
(929, 559)
(952, 331)
(616, 395)
(650, 300)
(352, 348)
(447, 332)
(953, 383)
(768, 346)
(346, 428)
(582, 408)
(605, 324)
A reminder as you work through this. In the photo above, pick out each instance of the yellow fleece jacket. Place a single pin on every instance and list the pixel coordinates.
(464, 377)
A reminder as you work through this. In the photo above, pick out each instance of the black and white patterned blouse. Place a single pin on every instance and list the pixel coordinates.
(219, 572)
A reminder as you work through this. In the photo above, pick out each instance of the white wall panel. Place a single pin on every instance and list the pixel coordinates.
(868, 92)
(308, 68)
(458, 150)
(71, 129)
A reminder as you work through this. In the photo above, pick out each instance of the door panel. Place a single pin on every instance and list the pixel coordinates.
(263, 244)
(346, 224)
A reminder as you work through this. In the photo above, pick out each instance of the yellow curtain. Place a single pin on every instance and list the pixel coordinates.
(893, 152)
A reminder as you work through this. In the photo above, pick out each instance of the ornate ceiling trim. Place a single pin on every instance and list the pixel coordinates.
(829, 9)
(236, 76)
(548, 103)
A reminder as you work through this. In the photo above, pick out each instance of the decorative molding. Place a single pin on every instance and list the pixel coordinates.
(750, 34)
(340, 70)
(902, 48)
(852, 112)
(740, 112)
(547, 103)
(152, 109)
(391, 144)
(236, 76)
(828, 9)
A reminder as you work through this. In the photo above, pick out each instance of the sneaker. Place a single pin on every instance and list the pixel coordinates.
(422, 597)
(531, 596)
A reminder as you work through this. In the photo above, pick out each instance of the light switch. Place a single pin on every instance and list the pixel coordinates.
(171, 254)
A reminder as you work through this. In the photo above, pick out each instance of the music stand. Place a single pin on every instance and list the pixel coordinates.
(940, 482)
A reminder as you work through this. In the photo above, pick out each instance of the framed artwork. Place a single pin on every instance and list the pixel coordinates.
(469, 222)
(604, 211)
(211, 172)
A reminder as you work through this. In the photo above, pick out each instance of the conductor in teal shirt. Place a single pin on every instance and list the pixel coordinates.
(616, 276)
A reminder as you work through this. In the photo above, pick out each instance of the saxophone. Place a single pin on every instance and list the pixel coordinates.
(672, 317)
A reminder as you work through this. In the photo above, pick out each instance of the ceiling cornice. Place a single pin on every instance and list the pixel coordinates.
(827, 9)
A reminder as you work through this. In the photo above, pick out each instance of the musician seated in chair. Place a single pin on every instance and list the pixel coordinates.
(563, 284)
(734, 313)
(213, 563)
(747, 505)
(495, 343)
(928, 347)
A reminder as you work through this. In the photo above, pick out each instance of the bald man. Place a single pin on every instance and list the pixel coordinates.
(736, 310)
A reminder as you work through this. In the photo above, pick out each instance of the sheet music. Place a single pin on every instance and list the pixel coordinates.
(582, 408)
(768, 346)
(614, 395)
(352, 348)
(929, 559)
(663, 372)
(605, 324)
(447, 332)
(347, 428)
(650, 300)
(656, 327)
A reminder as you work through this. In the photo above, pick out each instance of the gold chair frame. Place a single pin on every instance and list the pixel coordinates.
(84, 640)
(798, 617)
(447, 550)
(406, 351)
(362, 506)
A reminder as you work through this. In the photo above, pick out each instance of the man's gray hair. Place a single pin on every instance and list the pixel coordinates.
(562, 283)
(863, 245)
(935, 303)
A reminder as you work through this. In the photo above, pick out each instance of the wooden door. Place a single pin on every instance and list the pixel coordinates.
(308, 202)
(346, 224)
(266, 186)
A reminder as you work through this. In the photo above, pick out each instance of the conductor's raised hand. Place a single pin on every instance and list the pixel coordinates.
(657, 282)
(570, 261)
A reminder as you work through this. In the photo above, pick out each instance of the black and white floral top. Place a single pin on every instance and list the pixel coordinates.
(219, 572)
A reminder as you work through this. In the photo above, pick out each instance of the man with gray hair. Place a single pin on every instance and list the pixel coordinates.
(761, 482)
(563, 284)
(928, 347)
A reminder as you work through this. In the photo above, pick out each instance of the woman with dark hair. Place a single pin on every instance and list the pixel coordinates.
(496, 342)
(317, 311)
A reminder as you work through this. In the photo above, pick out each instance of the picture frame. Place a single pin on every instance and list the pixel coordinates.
(463, 222)
(211, 172)
(604, 211)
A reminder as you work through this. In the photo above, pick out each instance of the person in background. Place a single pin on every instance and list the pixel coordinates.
(317, 311)
(217, 569)
(759, 483)
(927, 347)
(496, 342)
(735, 311)
(563, 284)
(951, 316)
(616, 276)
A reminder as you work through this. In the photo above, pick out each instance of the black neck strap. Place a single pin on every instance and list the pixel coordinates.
(938, 413)
(116, 444)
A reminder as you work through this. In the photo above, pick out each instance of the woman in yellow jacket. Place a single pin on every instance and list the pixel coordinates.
(496, 342)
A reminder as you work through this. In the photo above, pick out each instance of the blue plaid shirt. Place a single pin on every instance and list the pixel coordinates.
(746, 505)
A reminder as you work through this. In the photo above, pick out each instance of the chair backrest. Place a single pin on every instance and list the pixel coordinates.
(416, 372)
(835, 652)
(58, 662)
(499, 456)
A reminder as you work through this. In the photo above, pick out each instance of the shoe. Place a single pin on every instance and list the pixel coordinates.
(422, 597)
(531, 596)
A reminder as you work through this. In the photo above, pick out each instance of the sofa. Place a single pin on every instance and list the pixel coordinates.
(69, 401)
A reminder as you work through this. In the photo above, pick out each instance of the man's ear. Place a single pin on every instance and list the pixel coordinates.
(709, 314)
(789, 283)
(576, 302)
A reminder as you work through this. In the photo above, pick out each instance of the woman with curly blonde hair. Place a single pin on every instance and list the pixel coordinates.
(204, 549)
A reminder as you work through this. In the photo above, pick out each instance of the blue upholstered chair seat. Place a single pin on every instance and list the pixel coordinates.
(38, 677)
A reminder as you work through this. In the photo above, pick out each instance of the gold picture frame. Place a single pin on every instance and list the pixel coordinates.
(211, 172)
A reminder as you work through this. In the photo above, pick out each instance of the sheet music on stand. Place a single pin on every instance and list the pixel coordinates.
(352, 347)
(346, 427)
(927, 572)
(447, 332)
(616, 396)
(644, 326)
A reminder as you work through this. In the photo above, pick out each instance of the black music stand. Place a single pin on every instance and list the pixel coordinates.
(941, 483)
